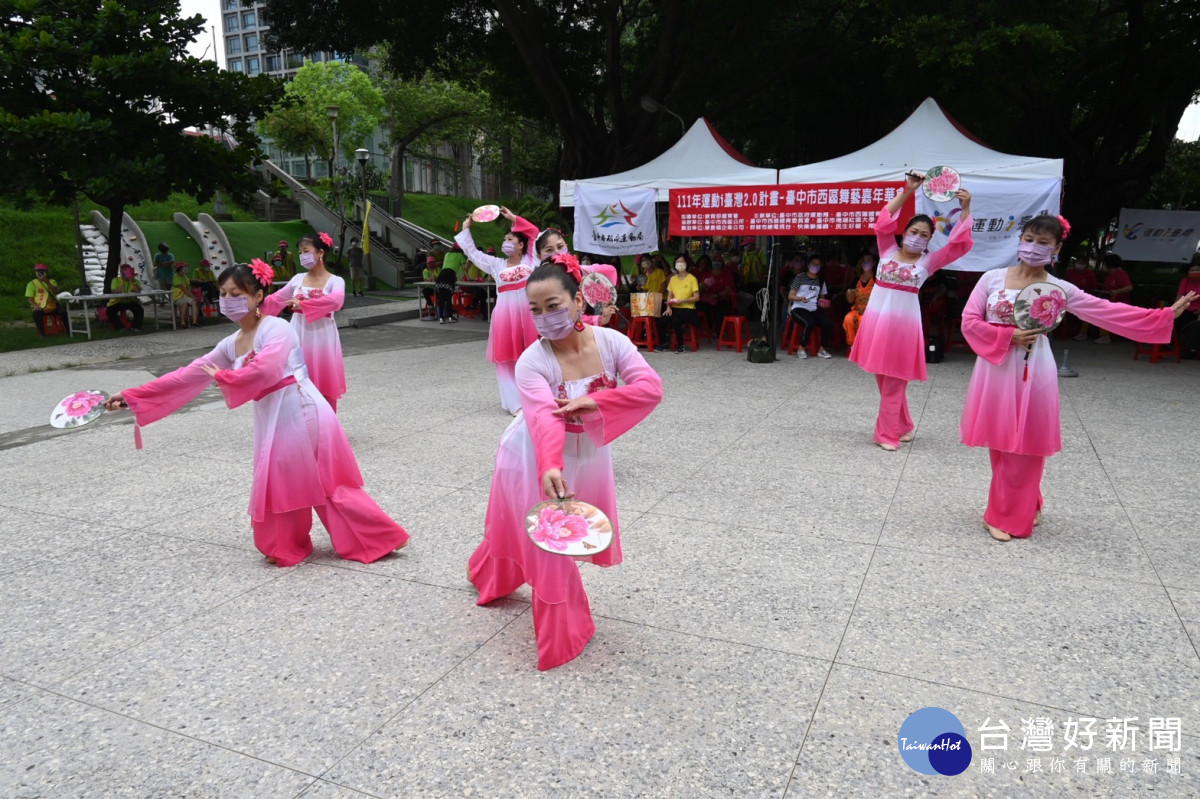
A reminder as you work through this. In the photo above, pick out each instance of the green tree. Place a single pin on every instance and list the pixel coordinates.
(301, 123)
(420, 114)
(1177, 187)
(97, 98)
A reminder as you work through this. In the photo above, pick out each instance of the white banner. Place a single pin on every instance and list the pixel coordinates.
(615, 221)
(1164, 236)
(998, 209)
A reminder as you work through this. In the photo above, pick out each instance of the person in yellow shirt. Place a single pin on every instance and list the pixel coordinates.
(683, 291)
(206, 281)
(283, 262)
(181, 296)
(42, 293)
(126, 284)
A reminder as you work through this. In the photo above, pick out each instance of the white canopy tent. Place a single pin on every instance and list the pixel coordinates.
(700, 158)
(1005, 188)
(927, 138)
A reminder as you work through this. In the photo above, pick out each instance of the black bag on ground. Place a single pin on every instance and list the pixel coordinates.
(759, 350)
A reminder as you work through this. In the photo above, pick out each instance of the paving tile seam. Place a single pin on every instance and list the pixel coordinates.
(996, 567)
(849, 620)
(177, 734)
(1141, 542)
(346, 566)
(317, 782)
(429, 687)
(208, 611)
(778, 530)
(1006, 697)
(702, 637)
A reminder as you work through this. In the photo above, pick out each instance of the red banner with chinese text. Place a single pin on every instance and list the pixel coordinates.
(811, 209)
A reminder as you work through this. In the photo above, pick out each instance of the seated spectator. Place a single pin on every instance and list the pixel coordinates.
(1187, 325)
(127, 283)
(718, 295)
(206, 281)
(42, 293)
(181, 296)
(682, 293)
(858, 295)
(446, 280)
(430, 275)
(284, 263)
(1117, 285)
(808, 297)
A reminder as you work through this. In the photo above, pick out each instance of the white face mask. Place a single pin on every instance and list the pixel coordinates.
(680, 267)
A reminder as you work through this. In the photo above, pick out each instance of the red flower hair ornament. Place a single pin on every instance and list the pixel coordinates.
(570, 265)
(326, 239)
(1062, 220)
(263, 273)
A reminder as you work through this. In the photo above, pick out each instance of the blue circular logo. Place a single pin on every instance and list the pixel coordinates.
(933, 741)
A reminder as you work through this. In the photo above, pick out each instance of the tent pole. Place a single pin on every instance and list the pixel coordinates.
(773, 266)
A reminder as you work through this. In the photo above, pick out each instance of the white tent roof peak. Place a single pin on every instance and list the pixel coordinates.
(700, 158)
(927, 138)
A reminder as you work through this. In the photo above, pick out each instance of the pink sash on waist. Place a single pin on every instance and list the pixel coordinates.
(284, 383)
(510, 287)
(898, 287)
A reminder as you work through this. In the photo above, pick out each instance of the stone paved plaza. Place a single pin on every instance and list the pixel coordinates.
(790, 594)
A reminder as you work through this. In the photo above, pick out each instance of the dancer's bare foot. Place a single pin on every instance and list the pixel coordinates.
(1037, 519)
(885, 447)
(907, 437)
(997, 533)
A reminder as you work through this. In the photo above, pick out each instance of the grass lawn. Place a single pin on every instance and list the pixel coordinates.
(256, 239)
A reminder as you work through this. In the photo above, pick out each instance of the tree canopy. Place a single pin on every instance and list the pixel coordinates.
(1100, 83)
(97, 98)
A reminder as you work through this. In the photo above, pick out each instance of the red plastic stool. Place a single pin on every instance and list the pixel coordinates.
(733, 333)
(691, 337)
(1158, 351)
(643, 332)
(791, 337)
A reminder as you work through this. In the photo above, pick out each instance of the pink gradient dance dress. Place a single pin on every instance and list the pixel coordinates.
(1017, 418)
(302, 459)
(890, 341)
(511, 329)
(316, 331)
(538, 441)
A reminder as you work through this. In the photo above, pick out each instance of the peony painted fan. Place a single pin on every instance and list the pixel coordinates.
(1040, 305)
(598, 292)
(78, 409)
(941, 183)
(569, 527)
(486, 213)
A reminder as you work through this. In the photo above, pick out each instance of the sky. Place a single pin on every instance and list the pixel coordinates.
(1189, 126)
(210, 10)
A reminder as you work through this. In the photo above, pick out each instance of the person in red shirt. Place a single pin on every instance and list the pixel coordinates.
(718, 293)
(1187, 324)
(1117, 285)
(1081, 276)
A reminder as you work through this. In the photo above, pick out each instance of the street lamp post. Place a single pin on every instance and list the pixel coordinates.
(362, 155)
(333, 115)
(650, 105)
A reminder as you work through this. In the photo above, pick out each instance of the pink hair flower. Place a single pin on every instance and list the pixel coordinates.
(326, 239)
(1066, 226)
(263, 273)
(570, 264)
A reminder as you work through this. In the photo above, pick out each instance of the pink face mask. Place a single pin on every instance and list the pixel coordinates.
(234, 307)
(308, 260)
(554, 325)
(508, 247)
(915, 243)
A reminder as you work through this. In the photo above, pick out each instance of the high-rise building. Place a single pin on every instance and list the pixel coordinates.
(243, 29)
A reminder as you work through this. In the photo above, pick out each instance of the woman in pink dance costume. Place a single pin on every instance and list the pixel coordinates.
(890, 341)
(512, 328)
(559, 447)
(1013, 413)
(302, 460)
(313, 295)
